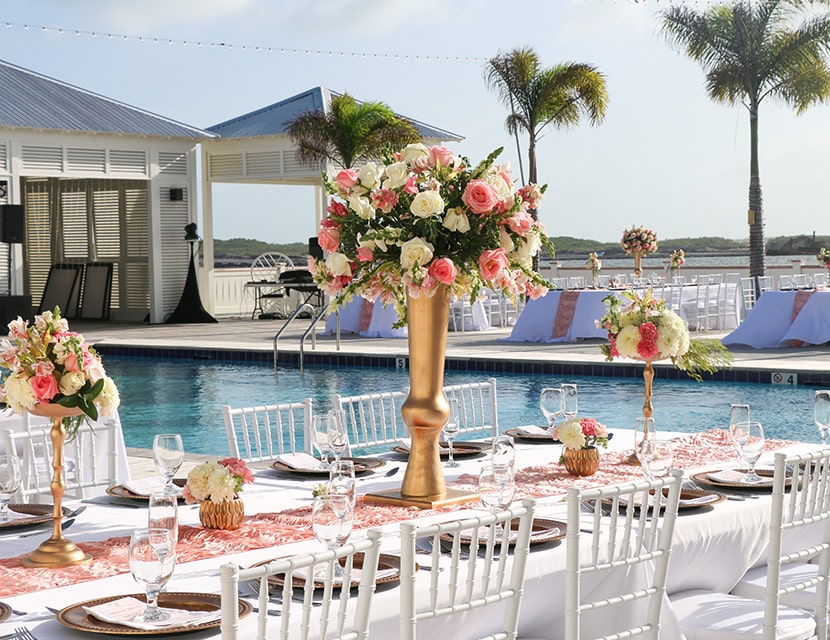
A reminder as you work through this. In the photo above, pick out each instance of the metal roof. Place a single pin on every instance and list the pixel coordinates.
(29, 100)
(272, 120)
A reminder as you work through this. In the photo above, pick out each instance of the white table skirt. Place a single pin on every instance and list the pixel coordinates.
(770, 323)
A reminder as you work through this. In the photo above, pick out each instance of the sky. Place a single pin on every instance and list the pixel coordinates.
(665, 156)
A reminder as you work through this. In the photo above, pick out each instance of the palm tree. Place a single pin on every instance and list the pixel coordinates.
(350, 132)
(752, 50)
(536, 97)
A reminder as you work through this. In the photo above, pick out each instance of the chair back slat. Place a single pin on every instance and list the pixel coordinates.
(261, 433)
(478, 406)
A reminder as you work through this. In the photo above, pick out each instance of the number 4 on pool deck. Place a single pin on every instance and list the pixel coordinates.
(785, 378)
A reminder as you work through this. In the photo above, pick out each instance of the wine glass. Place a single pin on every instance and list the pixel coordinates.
(503, 455)
(496, 489)
(336, 431)
(643, 428)
(10, 477)
(151, 563)
(320, 437)
(821, 413)
(550, 401)
(331, 520)
(738, 414)
(168, 454)
(342, 480)
(570, 404)
(163, 513)
(451, 430)
(656, 459)
(749, 439)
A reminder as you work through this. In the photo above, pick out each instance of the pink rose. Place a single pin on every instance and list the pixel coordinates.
(480, 196)
(70, 363)
(88, 361)
(45, 388)
(329, 238)
(443, 270)
(504, 171)
(338, 209)
(346, 179)
(364, 254)
(492, 262)
(520, 223)
(441, 157)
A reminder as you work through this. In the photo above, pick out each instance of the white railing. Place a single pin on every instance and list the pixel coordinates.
(229, 296)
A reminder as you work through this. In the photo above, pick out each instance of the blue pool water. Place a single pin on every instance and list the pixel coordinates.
(163, 396)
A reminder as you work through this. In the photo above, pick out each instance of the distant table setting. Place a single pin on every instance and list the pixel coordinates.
(785, 319)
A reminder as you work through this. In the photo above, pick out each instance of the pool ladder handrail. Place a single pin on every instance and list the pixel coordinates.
(314, 320)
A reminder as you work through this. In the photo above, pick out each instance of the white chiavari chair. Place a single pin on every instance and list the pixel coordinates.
(820, 280)
(261, 433)
(788, 597)
(785, 283)
(339, 617)
(603, 282)
(747, 295)
(764, 284)
(625, 540)
(800, 281)
(478, 406)
(491, 578)
(373, 419)
(576, 282)
(461, 314)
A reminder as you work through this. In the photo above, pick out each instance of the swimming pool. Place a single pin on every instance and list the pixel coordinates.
(185, 396)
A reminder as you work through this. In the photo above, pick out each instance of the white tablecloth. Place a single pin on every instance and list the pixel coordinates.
(770, 323)
(713, 547)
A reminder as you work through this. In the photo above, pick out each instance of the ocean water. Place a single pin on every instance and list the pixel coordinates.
(163, 396)
(692, 261)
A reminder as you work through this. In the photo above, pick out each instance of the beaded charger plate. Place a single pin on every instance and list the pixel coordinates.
(732, 479)
(389, 570)
(543, 530)
(120, 491)
(534, 438)
(361, 466)
(462, 449)
(28, 515)
(690, 499)
(5, 611)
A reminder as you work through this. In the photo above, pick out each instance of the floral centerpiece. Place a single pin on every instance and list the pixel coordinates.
(45, 363)
(676, 260)
(426, 217)
(216, 486)
(823, 256)
(639, 240)
(594, 264)
(580, 438)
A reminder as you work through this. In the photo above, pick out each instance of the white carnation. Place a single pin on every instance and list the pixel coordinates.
(627, 341)
(19, 394)
(109, 399)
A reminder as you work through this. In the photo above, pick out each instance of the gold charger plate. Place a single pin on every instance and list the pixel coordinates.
(75, 617)
(461, 449)
(5, 611)
(38, 514)
(689, 499)
(361, 466)
(535, 439)
(543, 530)
(390, 565)
(702, 477)
(120, 491)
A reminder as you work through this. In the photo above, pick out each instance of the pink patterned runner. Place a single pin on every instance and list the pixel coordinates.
(564, 313)
(367, 307)
(272, 529)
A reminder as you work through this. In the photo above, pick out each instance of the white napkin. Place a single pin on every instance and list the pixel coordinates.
(532, 430)
(706, 499)
(320, 574)
(727, 475)
(405, 444)
(301, 461)
(124, 610)
(144, 486)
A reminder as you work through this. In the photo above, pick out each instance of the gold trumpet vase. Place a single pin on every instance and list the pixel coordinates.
(638, 264)
(425, 410)
(56, 551)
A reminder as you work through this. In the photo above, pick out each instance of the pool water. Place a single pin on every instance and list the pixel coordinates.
(185, 396)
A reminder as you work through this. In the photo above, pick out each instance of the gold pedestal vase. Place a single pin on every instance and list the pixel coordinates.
(227, 515)
(638, 259)
(648, 408)
(425, 410)
(581, 462)
(56, 551)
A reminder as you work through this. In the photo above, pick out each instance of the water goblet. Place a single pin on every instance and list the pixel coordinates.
(163, 513)
(336, 430)
(550, 401)
(451, 430)
(570, 405)
(332, 520)
(643, 428)
(738, 414)
(342, 480)
(821, 413)
(151, 563)
(749, 439)
(496, 489)
(10, 477)
(320, 437)
(503, 454)
(656, 459)
(168, 455)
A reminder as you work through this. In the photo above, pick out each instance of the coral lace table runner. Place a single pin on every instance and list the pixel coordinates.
(272, 529)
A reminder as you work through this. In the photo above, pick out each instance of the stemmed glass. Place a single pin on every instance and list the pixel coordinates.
(320, 437)
(9, 483)
(332, 522)
(738, 414)
(496, 489)
(656, 459)
(643, 428)
(163, 513)
(570, 405)
(451, 430)
(749, 440)
(503, 453)
(151, 562)
(550, 401)
(168, 454)
(821, 413)
(336, 430)
(342, 480)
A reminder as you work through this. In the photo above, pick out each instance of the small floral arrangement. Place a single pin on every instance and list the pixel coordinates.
(639, 240)
(677, 259)
(425, 218)
(46, 363)
(320, 489)
(645, 329)
(594, 263)
(823, 256)
(582, 433)
(216, 481)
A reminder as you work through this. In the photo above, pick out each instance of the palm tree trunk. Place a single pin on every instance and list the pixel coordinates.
(756, 207)
(531, 169)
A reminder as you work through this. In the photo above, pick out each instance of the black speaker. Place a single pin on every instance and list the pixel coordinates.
(13, 306)
(11, 223)
(314, 249)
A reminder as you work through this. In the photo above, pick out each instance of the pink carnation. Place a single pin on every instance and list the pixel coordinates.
(648, 331)
(238, 468)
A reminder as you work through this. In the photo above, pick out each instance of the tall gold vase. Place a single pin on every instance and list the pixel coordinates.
(56, 551)
(638, 264)
(648, 408)
(425, 410)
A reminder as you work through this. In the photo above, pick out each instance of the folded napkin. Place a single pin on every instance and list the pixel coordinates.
(124, 610)
(704, 499)
(321, 570)
(727, 475)
(405, 444)
(144, 486)
(532, 430)
(301, 461)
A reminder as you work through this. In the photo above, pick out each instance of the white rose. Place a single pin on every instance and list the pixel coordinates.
(506, 240)
(426, 204)
(412, 151)
(499, 184)
(362, 207)
(397, 174)
(416, 251)
(368, 176)
(71, 381)
(337, 264)
(456, 220)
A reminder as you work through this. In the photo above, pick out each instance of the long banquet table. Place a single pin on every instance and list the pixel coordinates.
(713, 545)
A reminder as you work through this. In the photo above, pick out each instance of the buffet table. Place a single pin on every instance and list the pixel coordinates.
(714, 545)
(785, 319)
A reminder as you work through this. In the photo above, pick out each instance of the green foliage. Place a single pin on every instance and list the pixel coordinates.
(704, 355)
(250, 249)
